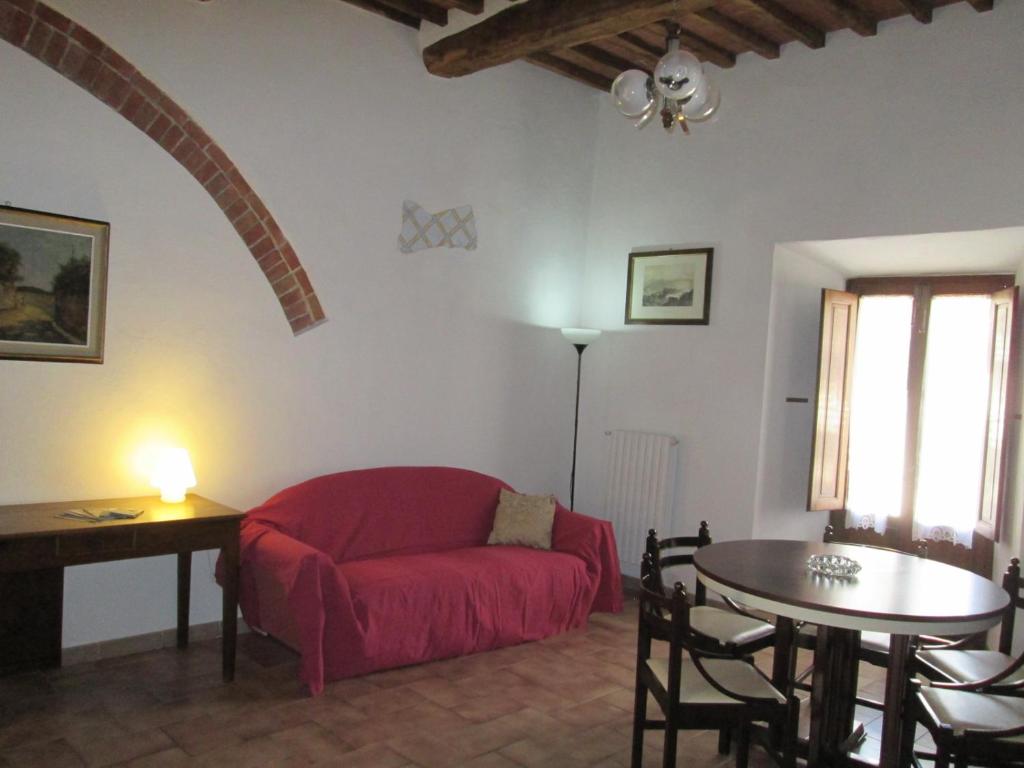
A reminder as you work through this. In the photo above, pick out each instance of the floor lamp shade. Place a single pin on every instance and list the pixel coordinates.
(582, 336)
(579, 338)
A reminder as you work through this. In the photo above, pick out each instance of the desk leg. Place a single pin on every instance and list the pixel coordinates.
(896, 677)
(230, 613)
(833, 693)
(184, 596)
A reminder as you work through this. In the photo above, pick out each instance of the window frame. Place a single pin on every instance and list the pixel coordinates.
(836, 354)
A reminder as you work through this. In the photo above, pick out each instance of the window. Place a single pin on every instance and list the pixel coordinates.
(914, 384)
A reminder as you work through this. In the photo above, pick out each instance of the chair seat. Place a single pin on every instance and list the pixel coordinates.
(875, 641)
(728, 627)
(731, 674)
(965, 710)
(968, 666)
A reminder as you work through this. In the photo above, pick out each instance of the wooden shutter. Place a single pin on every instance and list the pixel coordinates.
(1001, 406)
(832, 412)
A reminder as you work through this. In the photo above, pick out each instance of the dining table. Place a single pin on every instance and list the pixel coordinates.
(903, 595)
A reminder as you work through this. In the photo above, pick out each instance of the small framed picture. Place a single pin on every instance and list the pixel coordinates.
(669, 287)
(53, 286)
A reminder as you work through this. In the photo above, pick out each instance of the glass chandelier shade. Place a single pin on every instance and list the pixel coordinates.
(679, 90)
(678, 75)
(631, 93)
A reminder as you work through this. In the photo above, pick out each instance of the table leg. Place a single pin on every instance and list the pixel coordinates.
(833, 693)
(229, 619)
(896, 677)
(184, 596)
(783, 665)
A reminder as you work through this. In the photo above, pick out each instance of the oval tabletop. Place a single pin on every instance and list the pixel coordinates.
(896, 593)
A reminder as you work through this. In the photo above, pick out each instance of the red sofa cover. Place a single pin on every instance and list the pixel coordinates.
(378, 568)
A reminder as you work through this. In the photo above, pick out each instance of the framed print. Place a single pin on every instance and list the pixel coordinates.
(669, 287)
(53, 286)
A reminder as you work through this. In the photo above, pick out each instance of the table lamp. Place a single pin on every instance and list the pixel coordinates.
(579, 338)
(173, 475)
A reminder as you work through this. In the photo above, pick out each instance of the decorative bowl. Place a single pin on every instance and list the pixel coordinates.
(835, 566)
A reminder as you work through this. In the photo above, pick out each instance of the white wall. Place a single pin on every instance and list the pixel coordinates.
(439, 357)
(915, 130)
(791, 363)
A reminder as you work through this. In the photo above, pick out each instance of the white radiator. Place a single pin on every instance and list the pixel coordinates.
(640, 482)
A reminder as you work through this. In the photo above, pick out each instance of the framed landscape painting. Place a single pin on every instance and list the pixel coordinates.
(53, 284)
(669, 287)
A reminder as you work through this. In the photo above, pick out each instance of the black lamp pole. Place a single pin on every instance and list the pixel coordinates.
(576, 424)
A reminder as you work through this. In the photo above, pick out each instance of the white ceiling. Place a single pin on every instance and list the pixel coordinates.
(980, 251)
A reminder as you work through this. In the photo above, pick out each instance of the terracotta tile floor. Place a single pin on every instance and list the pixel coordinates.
(565, 702)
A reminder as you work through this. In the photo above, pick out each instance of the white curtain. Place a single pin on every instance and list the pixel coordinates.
(878, 411)
(953, 418)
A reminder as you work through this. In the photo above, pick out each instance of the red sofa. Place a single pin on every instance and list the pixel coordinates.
(378, 568)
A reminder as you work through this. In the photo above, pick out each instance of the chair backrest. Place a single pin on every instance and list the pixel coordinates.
(662, 617)
(665, 553)
(1013, 584)
(919, 546)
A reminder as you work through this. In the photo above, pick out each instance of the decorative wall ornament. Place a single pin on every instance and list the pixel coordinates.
(454, 228)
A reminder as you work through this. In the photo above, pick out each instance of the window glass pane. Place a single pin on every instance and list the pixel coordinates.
(878, 410)
(953, 416)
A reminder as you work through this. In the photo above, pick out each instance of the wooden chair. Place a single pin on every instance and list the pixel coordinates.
(976, 723)
(728, 630)
(695, 688)
(952, 663)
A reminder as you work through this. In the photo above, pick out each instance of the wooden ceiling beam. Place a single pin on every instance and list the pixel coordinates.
(475, 7)
(853, 17)
(918, 9)
(802, 30)
(707, 50)
(635, 41)
(605, 58)
(374, 6)
(535, 26)
(758, 43)
(421, 9)
(640, 53)
(704, 49)
(573, 71)
(981, 5)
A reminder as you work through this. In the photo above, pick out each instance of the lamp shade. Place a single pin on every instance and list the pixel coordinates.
(678, 74)
(631, 93)
(172, 473)
(582, 336)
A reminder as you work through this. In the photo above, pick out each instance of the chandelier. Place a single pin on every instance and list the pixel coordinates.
(679, 90)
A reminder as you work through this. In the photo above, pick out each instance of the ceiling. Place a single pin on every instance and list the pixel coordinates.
(939, 253)
(592, 41)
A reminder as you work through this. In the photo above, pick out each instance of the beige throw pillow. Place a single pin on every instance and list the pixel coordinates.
(524, 520)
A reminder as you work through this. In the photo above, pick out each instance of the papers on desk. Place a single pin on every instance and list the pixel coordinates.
(99, 515)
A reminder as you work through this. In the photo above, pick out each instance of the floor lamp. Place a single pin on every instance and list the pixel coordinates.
(579, 338)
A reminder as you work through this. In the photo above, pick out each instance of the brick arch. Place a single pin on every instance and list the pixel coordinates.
(87, 61)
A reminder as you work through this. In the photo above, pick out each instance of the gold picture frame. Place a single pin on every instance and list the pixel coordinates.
(53, 286)
(669, 287)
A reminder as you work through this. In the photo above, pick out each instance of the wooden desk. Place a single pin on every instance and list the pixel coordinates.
(900, 594)
(35, 546)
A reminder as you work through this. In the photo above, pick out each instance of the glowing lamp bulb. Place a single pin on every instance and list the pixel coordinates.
(173, 474)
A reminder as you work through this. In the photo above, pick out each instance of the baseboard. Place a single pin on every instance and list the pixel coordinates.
(150, 641)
